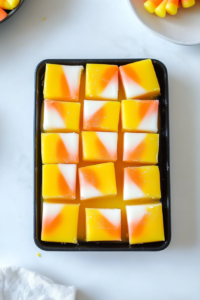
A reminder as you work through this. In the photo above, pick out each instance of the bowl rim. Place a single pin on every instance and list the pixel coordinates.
(12, 12)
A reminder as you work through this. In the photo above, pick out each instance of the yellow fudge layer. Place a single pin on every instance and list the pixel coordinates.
(62, 82)
(60, 116)
(97, 181)
(59, 181)
(141, 148)
(139, 115)
(60, 148)
(139, 80)
(145, 223)
(60, 223)
(101, 82)
(103, 225)
(99, 146)
(101, 115)
(142, 183)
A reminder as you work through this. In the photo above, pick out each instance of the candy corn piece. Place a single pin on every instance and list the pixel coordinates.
(60, 116)
(97, 181)
(187, 3)
(59, 181)
(99, 146)
(60, 148)
(103, 225)
(101, 82)
(62, 82)
(161, 9)
(3, 14)
(139, 80)
(151, 5)
(142, 183)
(60, 223)
(13, 3)
(141, 148)
(5, 5)
(101, 115)
(172, 7)
(145, 223)
(140, 116)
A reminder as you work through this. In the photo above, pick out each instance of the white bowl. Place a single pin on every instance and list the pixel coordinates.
(183, 29)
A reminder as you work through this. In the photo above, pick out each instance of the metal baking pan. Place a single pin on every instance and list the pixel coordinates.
(164, 161)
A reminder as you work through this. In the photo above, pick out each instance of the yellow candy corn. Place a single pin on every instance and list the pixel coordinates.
(172, 7)
(151, 5)
(161, 9)
(187, 3)
(5, 4)
(13, 3)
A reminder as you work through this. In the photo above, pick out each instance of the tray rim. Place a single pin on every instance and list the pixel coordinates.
(113, 247)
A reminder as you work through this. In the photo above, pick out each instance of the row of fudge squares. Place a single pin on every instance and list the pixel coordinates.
(99, 181)
(138, 148)
(136, 116)
(101, 82)
(60, 223)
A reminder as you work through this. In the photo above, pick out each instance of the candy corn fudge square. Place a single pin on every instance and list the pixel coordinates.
(145, 223)
(101, 82)
(62, 82)
(140, 115)
(97, 181)
(60, 222)
(60, 116)
(59, 181)
(141, 148)
(141, 183)
(99, 146)
(139, 80)
(103, 225)
(60, 148)
(101, 115)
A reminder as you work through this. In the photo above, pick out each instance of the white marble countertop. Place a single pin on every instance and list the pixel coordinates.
(97, 29)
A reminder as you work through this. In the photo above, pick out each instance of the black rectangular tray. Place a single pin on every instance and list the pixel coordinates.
(164, 163)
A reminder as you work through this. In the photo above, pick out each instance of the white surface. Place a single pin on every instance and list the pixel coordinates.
(97, 29)
(180, 29)
(19, 283)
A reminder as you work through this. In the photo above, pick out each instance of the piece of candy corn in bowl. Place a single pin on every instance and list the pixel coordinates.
(8, 8)
(162, 7)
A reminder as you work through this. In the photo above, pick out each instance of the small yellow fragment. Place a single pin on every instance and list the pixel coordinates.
(43, 19)
(38, 254)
